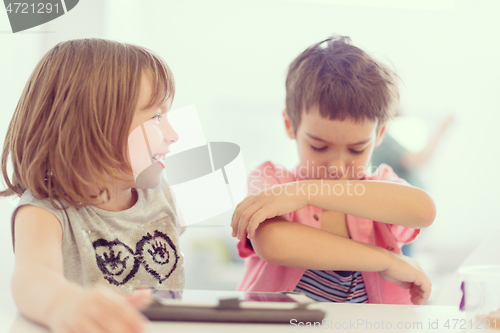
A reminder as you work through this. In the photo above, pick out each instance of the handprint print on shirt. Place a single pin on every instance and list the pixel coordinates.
(163, 257)
(159, 253)
(115, 260)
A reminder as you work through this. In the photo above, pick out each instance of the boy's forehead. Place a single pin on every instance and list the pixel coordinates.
(342, 131)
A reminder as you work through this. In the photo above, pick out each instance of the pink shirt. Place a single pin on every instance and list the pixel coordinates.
(263, 276)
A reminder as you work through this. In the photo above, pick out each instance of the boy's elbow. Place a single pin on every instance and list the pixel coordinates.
(431, 215)
(265, 243)
(427, 213)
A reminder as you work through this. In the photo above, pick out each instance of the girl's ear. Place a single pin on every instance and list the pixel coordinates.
(380, 136)
(288, 125)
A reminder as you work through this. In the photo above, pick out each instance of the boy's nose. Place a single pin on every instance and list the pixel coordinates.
(337, 169)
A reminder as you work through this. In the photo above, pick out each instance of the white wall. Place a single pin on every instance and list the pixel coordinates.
(230, 59)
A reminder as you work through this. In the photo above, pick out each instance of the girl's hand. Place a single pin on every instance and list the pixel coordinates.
(99, 310)
(407, 273)
(266, 204)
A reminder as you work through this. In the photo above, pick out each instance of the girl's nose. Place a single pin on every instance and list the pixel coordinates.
(172, 136)
(169, 134)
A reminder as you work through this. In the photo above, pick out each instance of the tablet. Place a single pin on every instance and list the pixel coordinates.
(232, 306)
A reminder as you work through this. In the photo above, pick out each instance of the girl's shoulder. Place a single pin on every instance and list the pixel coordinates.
(27, 198)
(54, 206)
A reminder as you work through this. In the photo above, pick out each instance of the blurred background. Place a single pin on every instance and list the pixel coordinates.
(230, 59)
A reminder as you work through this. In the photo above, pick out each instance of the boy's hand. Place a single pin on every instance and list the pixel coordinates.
(99, 310)
(266, 204)
(407, 273)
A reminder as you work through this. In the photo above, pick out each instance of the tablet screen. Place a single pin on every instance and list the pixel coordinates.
(212, 297)
(232, 306)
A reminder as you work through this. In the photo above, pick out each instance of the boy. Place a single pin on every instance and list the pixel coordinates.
(329, 229)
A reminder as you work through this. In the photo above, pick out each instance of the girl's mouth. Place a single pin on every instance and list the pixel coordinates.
(160, 156)
(159, 160)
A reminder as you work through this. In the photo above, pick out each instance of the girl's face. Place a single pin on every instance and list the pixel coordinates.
(150, 137)
(334, 149)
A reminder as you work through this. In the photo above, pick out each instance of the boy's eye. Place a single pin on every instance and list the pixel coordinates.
(318, 149)
(357, 152)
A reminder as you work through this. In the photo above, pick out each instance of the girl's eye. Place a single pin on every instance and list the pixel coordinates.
(157, 117)
(357, 152)
(318, 149)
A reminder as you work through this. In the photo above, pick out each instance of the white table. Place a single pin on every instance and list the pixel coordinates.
(340, 318)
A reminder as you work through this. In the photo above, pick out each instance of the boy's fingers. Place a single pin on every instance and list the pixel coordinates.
(422, 289)
(244, 219)
(404, 284)
(427, 293)
(255, 221)
(242, 206)
(234, 222)
(417, 294)
(235, 212)
(417, 300)
(417, 291)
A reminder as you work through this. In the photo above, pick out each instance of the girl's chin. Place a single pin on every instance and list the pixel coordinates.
(150, 177)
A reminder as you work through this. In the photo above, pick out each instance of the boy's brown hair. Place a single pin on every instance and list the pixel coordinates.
(343, 80)
(72, 122)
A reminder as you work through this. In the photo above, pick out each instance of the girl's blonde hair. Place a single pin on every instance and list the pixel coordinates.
(71, 125)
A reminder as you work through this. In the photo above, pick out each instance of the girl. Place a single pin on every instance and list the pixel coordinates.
(83, 224)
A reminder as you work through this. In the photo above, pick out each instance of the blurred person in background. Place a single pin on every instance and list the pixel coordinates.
(405, 163)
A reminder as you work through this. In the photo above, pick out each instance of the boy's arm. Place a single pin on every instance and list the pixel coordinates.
(43, 294)
(295, 245)
(380, 201)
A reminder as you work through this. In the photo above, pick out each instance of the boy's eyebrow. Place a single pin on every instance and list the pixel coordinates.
(352, 144)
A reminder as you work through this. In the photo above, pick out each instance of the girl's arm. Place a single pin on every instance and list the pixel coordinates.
(295, 245)
(42, 293)
(380, 201)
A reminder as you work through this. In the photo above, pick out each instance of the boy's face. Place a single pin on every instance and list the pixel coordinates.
(333, 149)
